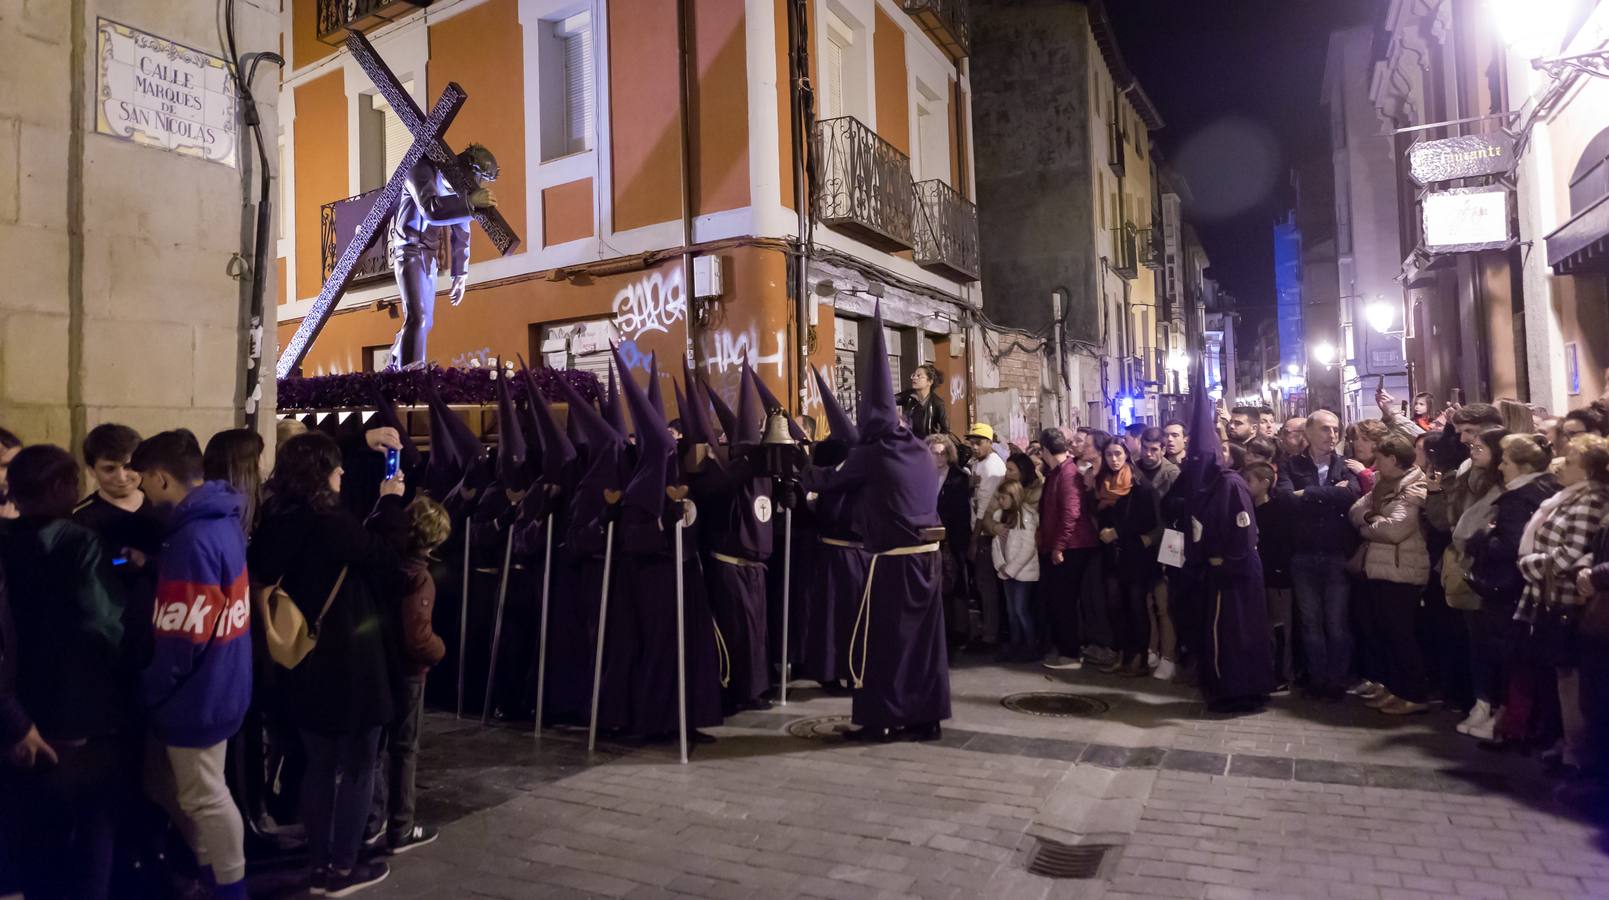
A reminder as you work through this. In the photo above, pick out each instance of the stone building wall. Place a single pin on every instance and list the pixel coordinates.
(1010, 383)
(119, 302)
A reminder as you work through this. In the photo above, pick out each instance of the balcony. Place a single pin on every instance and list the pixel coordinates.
(947, 22)
(1152, 253)
(863, 185)
(946, 231)
(1125, 252)
(1117, 155)
(338, 221)
(336, 17)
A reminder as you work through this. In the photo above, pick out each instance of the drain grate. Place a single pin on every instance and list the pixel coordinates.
(1054, 859)
(1055, 704)
(819, 727)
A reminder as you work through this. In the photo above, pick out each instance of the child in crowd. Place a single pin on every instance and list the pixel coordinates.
(420, 649)
(1016, 561)
(129, 526)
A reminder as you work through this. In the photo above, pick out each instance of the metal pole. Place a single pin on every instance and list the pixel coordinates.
(681, 638)
(463, 616)
(603, 621)
(497, 625)
(542, 628)
(787, 588)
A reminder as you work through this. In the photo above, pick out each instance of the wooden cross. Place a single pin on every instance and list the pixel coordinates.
(427, 134)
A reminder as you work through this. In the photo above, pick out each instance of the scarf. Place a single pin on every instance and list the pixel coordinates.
(1110, 488)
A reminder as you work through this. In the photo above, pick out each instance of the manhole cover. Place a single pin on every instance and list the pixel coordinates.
(1055, 704)
(819, 727)
(1053, 859)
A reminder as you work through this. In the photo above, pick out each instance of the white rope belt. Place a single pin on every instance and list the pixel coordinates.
(863, 618)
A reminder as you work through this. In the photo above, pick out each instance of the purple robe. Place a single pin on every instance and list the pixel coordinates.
(735, 513)
(906, 675)
(1236, 657)
(830, 603)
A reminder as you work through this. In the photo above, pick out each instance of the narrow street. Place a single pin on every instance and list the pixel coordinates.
(1301, 800)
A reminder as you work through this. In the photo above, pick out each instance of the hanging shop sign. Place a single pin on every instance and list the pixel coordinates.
(1460, 220)
(1470, 156)
(154, 92)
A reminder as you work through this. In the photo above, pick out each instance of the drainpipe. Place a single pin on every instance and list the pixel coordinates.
(685, 98)
(1057, 300)
(798, 56)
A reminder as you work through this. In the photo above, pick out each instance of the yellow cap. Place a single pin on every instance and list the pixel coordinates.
(981, 430)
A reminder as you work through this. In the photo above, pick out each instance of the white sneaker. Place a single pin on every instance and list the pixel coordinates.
(1364, 688)
(1479, 714)
(1164, 670)
(1151, 659)
(1062, 663)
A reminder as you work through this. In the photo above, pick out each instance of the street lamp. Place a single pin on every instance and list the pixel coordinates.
(1178, 361)
(1533, 28)
(1293, 369)
(1381, 314)
(1324, 353)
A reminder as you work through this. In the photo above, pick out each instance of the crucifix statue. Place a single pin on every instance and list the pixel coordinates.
(432, 185)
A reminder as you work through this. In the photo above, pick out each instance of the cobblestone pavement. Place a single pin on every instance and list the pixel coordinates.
(1301, 800)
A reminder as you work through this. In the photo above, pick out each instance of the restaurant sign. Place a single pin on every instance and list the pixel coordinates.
(1460, 220)
(1470, 156)
(154, 92)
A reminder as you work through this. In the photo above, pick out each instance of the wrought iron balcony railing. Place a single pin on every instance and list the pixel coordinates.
(336, 17)
(946, 231)
(1125, 252)
(947, 22)
(1151, 250)
(863, 186)
(338, 221)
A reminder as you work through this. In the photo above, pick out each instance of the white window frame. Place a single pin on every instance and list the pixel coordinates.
(929, 78)
(838, 19)
(557, 130)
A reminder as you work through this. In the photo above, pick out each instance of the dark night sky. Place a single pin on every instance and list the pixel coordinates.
(1237, 83)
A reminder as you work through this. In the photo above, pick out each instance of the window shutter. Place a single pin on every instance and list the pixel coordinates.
(833, 100)
(397, 140)
(578, 90)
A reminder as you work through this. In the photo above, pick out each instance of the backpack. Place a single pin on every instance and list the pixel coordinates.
(290, 637)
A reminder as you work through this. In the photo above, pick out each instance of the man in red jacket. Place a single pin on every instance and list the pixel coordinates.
(1066, 541)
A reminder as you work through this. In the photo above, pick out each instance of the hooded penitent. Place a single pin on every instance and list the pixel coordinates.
(453, 447)
(693, 406)
(769, 401)
(750, 415)
(656, 399)
(613, 412)
(605, 459)
(557, 451)
(656, 450)
(511, 447)
(838, 424)
(386, 413)
(877, 414)
(723, 413)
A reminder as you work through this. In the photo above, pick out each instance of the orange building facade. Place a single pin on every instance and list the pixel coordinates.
(661, 220)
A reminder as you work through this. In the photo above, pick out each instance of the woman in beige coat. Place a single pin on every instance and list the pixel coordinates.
(1395, 565)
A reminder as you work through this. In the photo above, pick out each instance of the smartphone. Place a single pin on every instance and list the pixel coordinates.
(119, 560)
(1380, 385)
(393, 463)
(1458, 396)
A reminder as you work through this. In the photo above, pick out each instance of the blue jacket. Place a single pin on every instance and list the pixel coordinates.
(198, 684)
(1324, 505)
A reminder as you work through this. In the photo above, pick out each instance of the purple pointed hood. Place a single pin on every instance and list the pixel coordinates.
(453, 447)
(1203, 458)
(656, 398)
(723, 413)
(877, 415)
(613, 412)
(750, 414)
(386, 412)
(694, 410)
(511, 448)
(557, 451)
(838, 425)
(656, 451)
(587, 421)
(769, 401)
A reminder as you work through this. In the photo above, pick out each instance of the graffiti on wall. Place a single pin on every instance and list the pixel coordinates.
(654, 302)
(958, 390)
(728, 351)
(480, 358)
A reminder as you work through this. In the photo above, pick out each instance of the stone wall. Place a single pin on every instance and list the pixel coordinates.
(1010, 383)
(119, 303)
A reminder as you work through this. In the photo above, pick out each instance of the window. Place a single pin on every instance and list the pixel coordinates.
(932, 136)
(568, 88)
(382, 140)
(837, 66)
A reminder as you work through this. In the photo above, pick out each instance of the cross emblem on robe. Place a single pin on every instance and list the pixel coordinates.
(427, 134)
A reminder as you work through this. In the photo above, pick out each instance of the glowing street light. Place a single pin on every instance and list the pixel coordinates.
(1381, 314)
(1293, 369)
(1324, 353)
(1533, 28)
(1178, 361)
